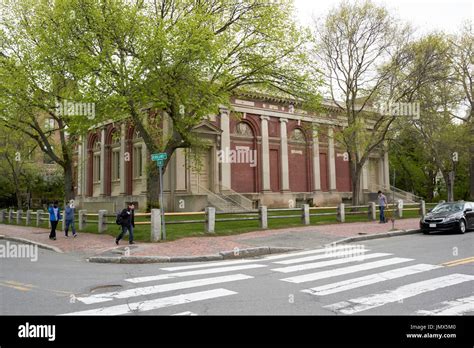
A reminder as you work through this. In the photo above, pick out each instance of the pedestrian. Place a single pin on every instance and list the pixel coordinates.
(54, 217)
(382, 204)
(69, 216)
(127, 223)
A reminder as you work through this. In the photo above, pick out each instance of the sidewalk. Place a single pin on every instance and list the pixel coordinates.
(88, 244)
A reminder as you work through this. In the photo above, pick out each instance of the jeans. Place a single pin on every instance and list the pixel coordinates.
(124, 231)
(382, 213)
(54, 224)
(70, 223)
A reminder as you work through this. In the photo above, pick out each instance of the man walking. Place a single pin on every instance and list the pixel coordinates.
(127, 223)
(382, 204)
(54, 217)
(69, 216)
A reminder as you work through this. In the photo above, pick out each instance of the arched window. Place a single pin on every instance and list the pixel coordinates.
(137, 155)
(115, 147)
(96, 161)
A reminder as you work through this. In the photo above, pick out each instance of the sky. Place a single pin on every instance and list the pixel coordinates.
(424, 15)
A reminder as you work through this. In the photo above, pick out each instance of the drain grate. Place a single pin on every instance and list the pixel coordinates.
(106, 288)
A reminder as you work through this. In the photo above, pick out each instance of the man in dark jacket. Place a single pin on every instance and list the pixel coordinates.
(128, 223)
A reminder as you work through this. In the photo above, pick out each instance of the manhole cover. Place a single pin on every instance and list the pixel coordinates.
(106, 288)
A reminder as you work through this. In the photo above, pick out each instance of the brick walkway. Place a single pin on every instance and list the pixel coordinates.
(89, 244)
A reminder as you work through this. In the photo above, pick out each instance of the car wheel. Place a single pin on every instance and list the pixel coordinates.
(462, 226)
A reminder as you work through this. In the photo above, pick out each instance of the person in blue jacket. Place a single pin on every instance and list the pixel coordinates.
(69, 216)
(54, 217)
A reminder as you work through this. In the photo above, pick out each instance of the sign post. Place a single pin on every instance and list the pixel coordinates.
(160, 161)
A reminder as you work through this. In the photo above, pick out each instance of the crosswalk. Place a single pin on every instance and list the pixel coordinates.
(376, 279)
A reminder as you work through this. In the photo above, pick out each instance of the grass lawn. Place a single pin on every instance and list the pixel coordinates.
(225, 228)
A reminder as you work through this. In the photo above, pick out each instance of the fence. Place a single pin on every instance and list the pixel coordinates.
(210, 217)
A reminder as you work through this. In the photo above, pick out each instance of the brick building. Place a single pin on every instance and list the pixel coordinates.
(262, 152)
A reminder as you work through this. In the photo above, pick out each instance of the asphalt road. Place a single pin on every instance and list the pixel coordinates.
(408, 275)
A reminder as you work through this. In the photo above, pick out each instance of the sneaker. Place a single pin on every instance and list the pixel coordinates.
(132, 242)
(74, 235)
(66, 236)
(54, 238)
(116, 242)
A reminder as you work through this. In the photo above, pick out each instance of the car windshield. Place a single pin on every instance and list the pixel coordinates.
(448, 208)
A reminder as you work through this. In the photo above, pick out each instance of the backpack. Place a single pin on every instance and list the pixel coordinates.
(119, 218)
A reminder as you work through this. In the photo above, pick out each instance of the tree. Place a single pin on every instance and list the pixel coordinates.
(462, 58)
(36, 78)
(369, 58)
(16, 151)
(182, 59)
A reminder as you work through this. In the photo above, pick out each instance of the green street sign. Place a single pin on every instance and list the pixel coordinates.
(159, 156)
(160, 163)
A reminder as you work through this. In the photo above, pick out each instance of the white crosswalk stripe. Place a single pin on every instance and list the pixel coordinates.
(155, 289)
(326, 255)
(143, 306)
(208, 264)
(193, 273)
(321, 264)
(459, 306)
(345, 270)
(186, 313)
(370, 279)
(365, 303)
(332, 249)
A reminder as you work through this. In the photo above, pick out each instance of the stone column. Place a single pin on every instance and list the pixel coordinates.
(155, 225)
(123, 159)
(225, 147)
(386, 171)
(365, 176)
(80, 158)
(285, 177)
(265, 155)
(332, 160)
(316, 167)
(102, 162)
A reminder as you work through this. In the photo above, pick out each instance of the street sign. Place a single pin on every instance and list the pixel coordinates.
(159, 156)
(160, 163)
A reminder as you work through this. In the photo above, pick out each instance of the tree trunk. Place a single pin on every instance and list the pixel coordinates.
(153, 187)
(449, 186)
(68, 182)
(355, 172)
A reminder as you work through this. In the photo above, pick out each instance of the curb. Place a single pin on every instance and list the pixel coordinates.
(223, 255)
(27, 241)
(375, 236)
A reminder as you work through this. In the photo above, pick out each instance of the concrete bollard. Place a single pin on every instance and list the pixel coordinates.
(372, 211)
(19, 214)
(305, 216)
(39, 217)
(155, 225)
(10, 216)
(263, 216)
(102, 224)
(341, 214)
(399, 211)
(422, 208)
(28, 217)
(210, 219)
(82, 219)
(2, 216)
